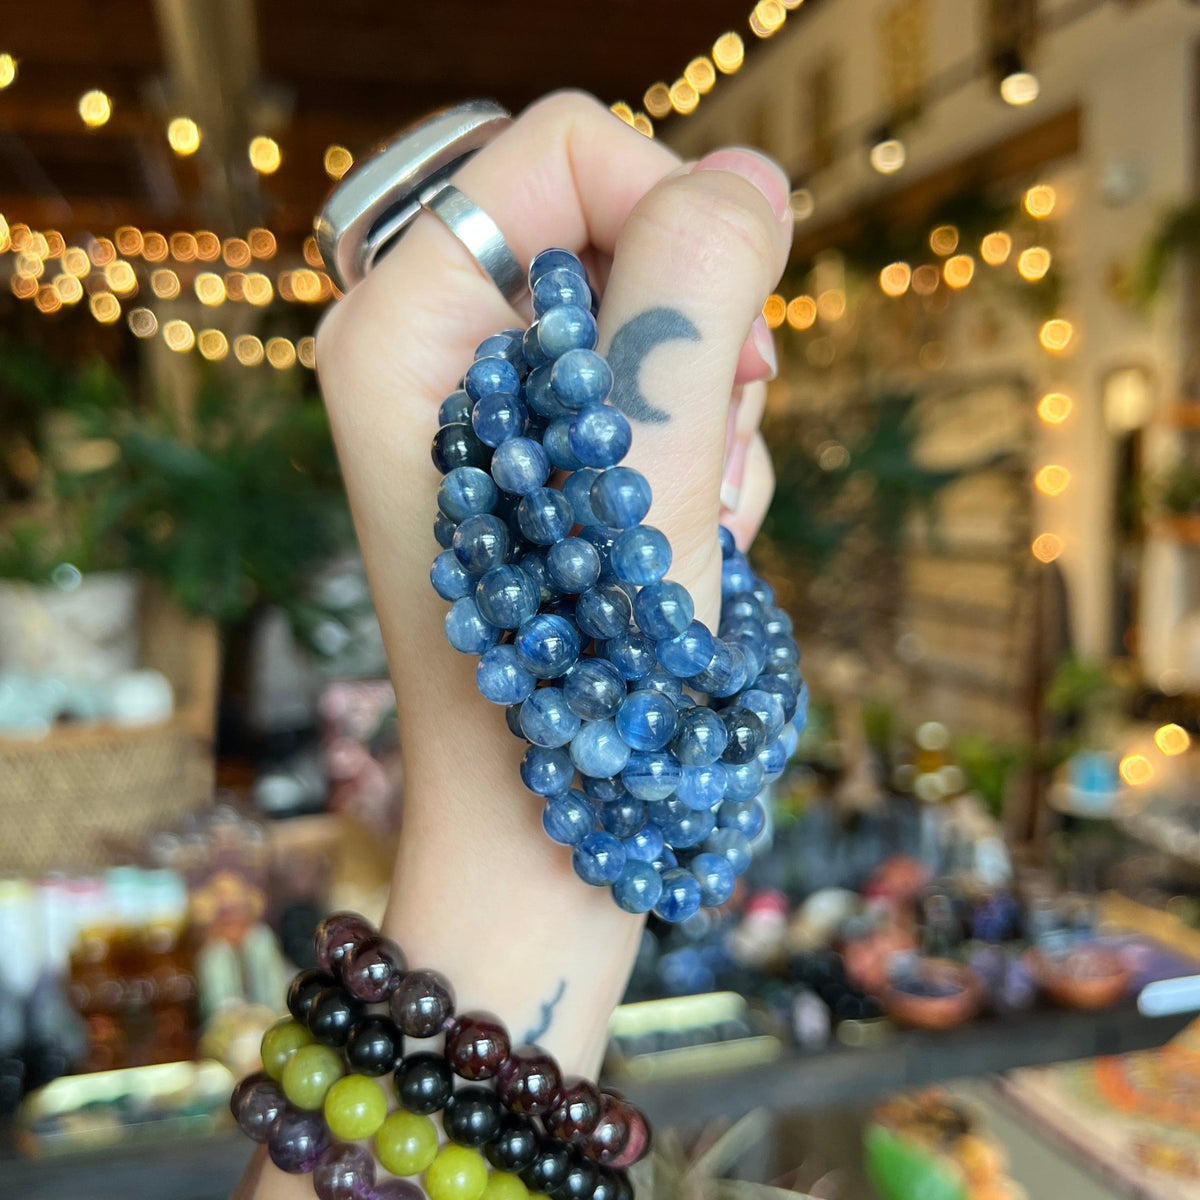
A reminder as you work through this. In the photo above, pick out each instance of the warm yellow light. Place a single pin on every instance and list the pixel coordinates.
(37, 245)
(19, 235)
(47, 299)
(657, 101)
(1136, 770)
(1054, 408)
(943, 240)
(684, 97)
(101, 251)
(262, 243)
(895, 278)
(925, 279)
(701, 74)
(164, 283)
(213, 344)
(235, 285)
(1032, 264)
(154, 247)
(105, 307)
(306, 352)
(265, 155)
(622, 112)
(281, 354)
(995, 248)
(1019, 88)
(208, 246)
(1052, 479)
(774, 311)
(801, 312)
(257, 289)
(54, 242)
(958, 270)
(728, 53)
(179, 335)
(641, 123)
(1040, 200)
(1056, 335)
(142, 322)
(5, 235)
(248, 350)
(210, 288)
(338, 160)
(306, 285)
(767, 18)
(29, 266)
(831, 305)
(183, 135)
(75, 262)
(236, 252)
(183, 247)
(95, 108)
(801, 202)
(23, 287)
(1047, 547)
(283, 285)
(888, 156)
(120, 277)
(1172, 739)
(8, 70)
(69, 289)
(129, 240)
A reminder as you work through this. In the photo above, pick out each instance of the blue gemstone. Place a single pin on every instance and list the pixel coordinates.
(507, 344)
(718, 673)
(774, 759)
(736, 575)
(716, 879)
(620, 497)
(547, 772)
(782, 651)
(466, 630)
(744, 781)
(540, 397)
(488, 375)
(547, 646)
(443, 530)
(560, 286)
(498, 417)
(746, 816)
(520, 465)
(594, 689)
(641, 555)
(664, 609)
(481, 543)
(507, 596)
(651, 774)
(767, 706)
(646, 845)
(733, 846)
(581, 378)
(456, 408)
(647, 720)
(577, 490)
(450, 580)
(788, 696)
(640, 887)
(776, 620)
(754, 650)
(569, 818)
(599, 859)
(728, 543)
(500, 676)
(567, 327)
(604, 791)
(604, 537)
(700, 738)
(597, 748)
(573, 565)
(556, 441)
(689, 828)
(512, 718)
(789, 739)
(632, 653)
(600, 436)
(680, 896)
(700, 787)
(554, 259)
(546, 720)
(533, 563)
(544, 516)
(623, 818)
(603, 612)
(466, 491)
(662, 682)
(531, 347)
(740, 606)
(740, 669)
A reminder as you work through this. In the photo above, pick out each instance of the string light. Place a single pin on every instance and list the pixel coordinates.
(248, 350)
(1040, 200)
(105, 307)
(23, 287)
(154, 247)
(657, 101)
(235, 285)
(54, 242)
(281, 353)
(306, 285)
(262, 243)
(265, 155)
(728, 53)
(257, 289)
(183, 136)
(1056, 335)
(183, 247)
(1172, 739)
(622, 112)
(142, 322)
(101, 251)
(767, 18)
(958, 270)
(895, 278)
(208, 246)
(18, 236)
(888, 155)
(337, 161)
(925, 279)
(774, 311)
(76, 262)
(943, 240)
(1136, 770)
(5, 234)
(642, 124)
(802, 204)
(210, 288)
(95, 108)
(801, 312)
(684, 97)
(1052, 479)
(213, 344)
(164, 283)
(47, 300)
(120, 277)
(236, 252)
(69, 289)
(1019, 88)
(1054, 408)
(1032, 264)
(179, 335)
(1047, 547)
(306, 352)
(701, 74)
(8, 70)
(129, 241)
(995, 248)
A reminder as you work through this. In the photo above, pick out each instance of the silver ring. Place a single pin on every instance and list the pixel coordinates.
(482, 238)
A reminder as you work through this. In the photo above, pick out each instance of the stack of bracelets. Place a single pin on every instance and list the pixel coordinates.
(319, 1093)
(561, 591)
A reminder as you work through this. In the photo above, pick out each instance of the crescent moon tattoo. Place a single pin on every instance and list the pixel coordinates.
(630, 346)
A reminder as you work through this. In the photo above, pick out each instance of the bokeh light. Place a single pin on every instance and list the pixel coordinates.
(1136, 770)
(1020, 88)
(684, 97)
(179, 335)
(802, 312)
(337, 161)
(281, 353)
(95, 108)
(183, 135)
(1054, 408)
(895, 278)
(212, 344)
(1052, 479)
(995, 248)
(142, 322)
(210, 288)
(728, 53)
(943, 240)
(1047, 547)
(888, 156)
(1032, 264)
(248, 350)
(1172, 739)
(958, 270)
(774, 311)
(106, 308)
(1040, 200)
(701, 74)
(265, 155)
(8, 70)
(1056, 335)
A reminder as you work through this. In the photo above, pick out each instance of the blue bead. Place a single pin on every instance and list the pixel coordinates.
(767, 706)
(466, 629)
(746, 816)
(533, 563)
(544, 516)
(620, 497)
(718, 673)
(641, 555)
(450, 580)
(727, 541)
(594, 689)
(547, 772)
(486, 376)
(774, 759)
(740, 606)
(604, 537)
(466, 491)
(507, 344)
(581, 378)
(680, 896)
(577, 490)
(624, 817)
(715, 877)
(776, 620)
(512, 718)
(600, 436)
(651, 774)
(540, 397)
(736, 575)
(443, 530)
(567, 327)
(603, 612)
(739, 673)
(599, 859)
(481, 542)
(778, 686)
(689, 828)
(569, 818)
(755, 652)
(647, 720)
(733, 846)
(546, 720)
(597, 748)
(604, 791)
(554, 259)
(456, 408)
(789, 738)
(547, 646)
(744, 781)
(663, 610)
(700, 738)
(631, 653)
(500, 676)
(639, 889)
(520, 465)
(573, 565)
(560, 286)
(507, 596)
(531, 347)
(556, 441)
(700, 787)
(646, 845)
(498, 417)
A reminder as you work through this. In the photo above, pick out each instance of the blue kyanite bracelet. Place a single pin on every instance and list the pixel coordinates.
(671, 731)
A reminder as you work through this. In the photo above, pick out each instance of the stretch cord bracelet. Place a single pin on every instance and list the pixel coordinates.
(597, 656)
(319, 1096)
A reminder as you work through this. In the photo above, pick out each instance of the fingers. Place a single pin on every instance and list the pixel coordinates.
(745, 416)
(754, 498)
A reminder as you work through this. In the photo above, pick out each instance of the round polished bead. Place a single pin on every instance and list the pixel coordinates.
(406, 1143)
(424, 1082)
(458, 445)
(563, 285)
(651, 774)
(449, 577)
(405, 1189)
(603, 790)
(611, 1134)
(546, 720)
(767, 706)
(576, 1113)
(665, 684)
(500, 676)
(556, 441)
(456, 408)
(599, 859)
(547, 772)
(487, 376)
(505, 344)
(372, 969)
(597, 749)
(303, 988)
(663, 610)
(481, 542)
(700, 737)
(569, 818)
(566, 327)
(549, 1168)
(773, 757)
(520, 465)
(736, 575)
(503, 1186)
(731, 845)
(578, 491)
(744, 781)
(746, 734)
(530, 1082)
(640, 886)
(579, 1183)
(443, 530)
(716, 878)
(476, 1045)
(552, 260)
(515, 1146)
(789, 739)
(255, 1103)
(472, 1114)
(336, 936)
(573, 565)
(620, 497)
(603, 612)
(716, 676)
(637, 1145)
(580, 379)
(540, 397)
(623, 818)
(680, 898)
(345, 1173)
(547, 646)
(467, 630)
(740, 606)
(632, 653)
(507, 596)
(594, 689)
(647, 720)
(646, 845)
(746, 816)
(687, 827)
(456, 1174)
(782, 690)
(297, 1141)
(374, 1045)
(641, 555)
(422, 1004)
(608, 1185)
(310, 1073)
(544, 516)
(531, 348)
(332, 1014)
(600, 436)
(466, 491)
(533, 563)
(702, 787)
(280, 1042)
(355, 1107)
(498, 417)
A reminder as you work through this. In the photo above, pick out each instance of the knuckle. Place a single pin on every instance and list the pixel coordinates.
(565, 106)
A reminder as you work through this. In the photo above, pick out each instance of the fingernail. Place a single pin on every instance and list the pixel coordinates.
(735, 473)
(758, 169)
(764, 343)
